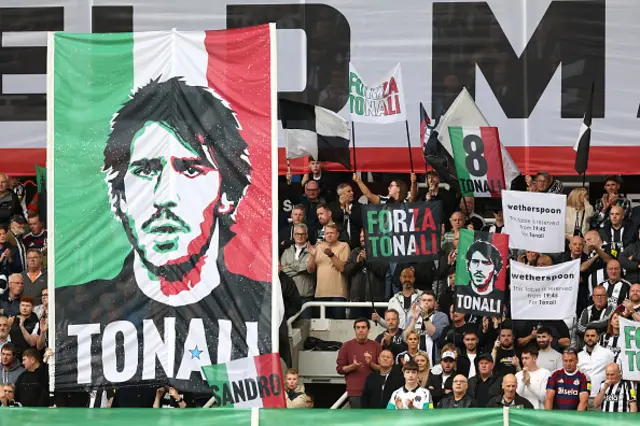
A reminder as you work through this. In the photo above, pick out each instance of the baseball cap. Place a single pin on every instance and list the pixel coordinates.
(19, 219)
(449, 354)
(484, 356)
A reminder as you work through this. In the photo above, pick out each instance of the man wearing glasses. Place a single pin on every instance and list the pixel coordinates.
(294, 263)
(596, 316)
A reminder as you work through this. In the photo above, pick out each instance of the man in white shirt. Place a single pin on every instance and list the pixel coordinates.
(532, 380)
(548, 358)
(593, 360)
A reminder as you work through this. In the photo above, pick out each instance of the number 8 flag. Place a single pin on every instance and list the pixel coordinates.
(476, 152)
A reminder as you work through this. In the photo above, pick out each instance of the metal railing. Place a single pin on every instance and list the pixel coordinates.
(338, 404)
(324, 305)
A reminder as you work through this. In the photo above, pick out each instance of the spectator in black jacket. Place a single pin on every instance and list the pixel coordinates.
(509, 397)
(32, 387)
(379, 385)
(484, 384)
(366, 280)
(459, 398)
(348, 214)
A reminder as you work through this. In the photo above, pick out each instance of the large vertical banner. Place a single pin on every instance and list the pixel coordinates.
(476, 152)
(161, 164)
(481, 270)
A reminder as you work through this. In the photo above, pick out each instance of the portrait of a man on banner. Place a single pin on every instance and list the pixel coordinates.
(480, 273)
(178, 171)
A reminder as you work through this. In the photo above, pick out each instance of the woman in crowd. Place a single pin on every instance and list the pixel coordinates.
(422, 360)
(412, 340)
(398, 191)
(579, 212)
(529, 258)
(609, 339)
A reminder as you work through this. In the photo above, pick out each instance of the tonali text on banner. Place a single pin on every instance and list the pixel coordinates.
(404, 232)
(534, 221)
(476, 152)
(544, 292)
(170, 160)
(380, 103)
(481, 272)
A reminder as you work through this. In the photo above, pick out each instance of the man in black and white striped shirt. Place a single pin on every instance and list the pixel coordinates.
(616, 395)
(617, 287)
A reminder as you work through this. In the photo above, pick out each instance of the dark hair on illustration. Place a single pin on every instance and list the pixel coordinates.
(200, 119)
(489, 251)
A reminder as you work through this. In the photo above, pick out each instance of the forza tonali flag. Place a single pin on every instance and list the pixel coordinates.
(170, 135)
(481, 270)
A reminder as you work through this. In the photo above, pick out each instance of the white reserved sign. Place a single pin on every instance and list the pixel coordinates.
(544, 293)
(534, 221)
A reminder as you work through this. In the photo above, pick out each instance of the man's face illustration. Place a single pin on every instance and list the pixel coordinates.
(170, 193)
(481, 270)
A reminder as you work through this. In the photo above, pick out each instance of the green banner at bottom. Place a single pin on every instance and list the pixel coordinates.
(279, 417)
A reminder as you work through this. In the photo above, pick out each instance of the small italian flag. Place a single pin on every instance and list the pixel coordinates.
(248, 382)
(476, 152)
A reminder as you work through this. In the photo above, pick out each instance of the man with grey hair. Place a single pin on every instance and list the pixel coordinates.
(294, 262)
(10, 300)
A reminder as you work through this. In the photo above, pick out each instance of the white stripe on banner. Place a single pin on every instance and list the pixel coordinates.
(239, 370)
(179, 54)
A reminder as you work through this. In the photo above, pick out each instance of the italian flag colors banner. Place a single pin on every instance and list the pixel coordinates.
(248, 382)
(481, 270)
(161, 176)
(476, 152)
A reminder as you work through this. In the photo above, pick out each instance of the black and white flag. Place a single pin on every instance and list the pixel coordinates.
(314, 131)
(584, 137)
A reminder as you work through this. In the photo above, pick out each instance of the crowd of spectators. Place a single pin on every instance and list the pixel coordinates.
(428, 355)
(463, 360)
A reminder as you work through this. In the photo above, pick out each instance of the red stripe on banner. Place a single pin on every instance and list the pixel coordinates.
(492, 154)
(249, 252)
(22, 161)
(266, 366)
(501, 242)
(603, 160)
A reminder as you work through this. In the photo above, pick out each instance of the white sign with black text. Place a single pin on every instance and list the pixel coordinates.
(534, 221)
(544, 292)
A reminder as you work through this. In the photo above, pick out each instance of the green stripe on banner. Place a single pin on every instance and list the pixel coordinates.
(93, 77)
(462, 274)
(217, 377)
(456, 134)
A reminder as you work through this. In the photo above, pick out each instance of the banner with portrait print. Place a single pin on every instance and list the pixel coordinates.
(160, 168)
(402, 232)
(481, 270)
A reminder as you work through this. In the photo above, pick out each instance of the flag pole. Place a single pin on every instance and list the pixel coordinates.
(353, 144)
(288, 172)
(406, 124)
